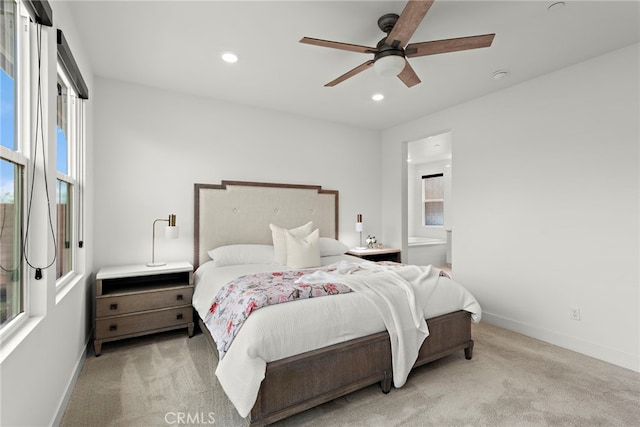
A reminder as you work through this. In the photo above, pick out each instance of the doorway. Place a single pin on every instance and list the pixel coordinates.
(429, 194)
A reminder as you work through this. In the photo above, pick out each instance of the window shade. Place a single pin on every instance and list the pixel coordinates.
(40, 11)
(71, 68)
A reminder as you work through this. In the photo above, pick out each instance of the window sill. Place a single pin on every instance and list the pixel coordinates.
(15, 336)
(11, 338)
(65, 286)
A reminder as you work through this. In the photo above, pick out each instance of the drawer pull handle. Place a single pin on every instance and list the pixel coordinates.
(179, 297)
(113, 307)
(179, 316)
(113, 327)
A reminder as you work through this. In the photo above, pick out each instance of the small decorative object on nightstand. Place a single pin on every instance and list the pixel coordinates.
(139, 300)
(377, 254)
(371, 241)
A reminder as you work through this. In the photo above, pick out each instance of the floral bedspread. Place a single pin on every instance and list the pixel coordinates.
(236, 300)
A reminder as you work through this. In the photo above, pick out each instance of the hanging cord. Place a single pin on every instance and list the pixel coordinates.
(39, 126)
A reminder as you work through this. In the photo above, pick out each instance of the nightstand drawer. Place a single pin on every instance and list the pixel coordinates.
(150, 300)
(128, 324)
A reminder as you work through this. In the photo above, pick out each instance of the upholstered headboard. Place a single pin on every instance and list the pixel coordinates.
(234, 212)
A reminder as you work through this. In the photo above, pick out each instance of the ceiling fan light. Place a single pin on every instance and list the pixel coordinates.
(390, 65)
(229, 57)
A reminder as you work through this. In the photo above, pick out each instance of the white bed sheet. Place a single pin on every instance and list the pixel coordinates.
(307, 324)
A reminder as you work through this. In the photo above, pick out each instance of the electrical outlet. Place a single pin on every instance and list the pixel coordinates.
(574, 313)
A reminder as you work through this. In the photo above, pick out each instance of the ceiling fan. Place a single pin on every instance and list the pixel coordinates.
(391, 53)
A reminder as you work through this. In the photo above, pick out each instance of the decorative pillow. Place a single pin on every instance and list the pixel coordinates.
(242, 254)
(330, 247)
(280, 239)
(303, 252)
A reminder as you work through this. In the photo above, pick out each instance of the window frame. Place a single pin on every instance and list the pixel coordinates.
(425, 200)
(70, 178)
(67, 67)
(21, 154)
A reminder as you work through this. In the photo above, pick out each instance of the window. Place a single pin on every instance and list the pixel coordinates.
(20, 88)
(71, 93)
(65, 147)
(12, 163)
(433, 200)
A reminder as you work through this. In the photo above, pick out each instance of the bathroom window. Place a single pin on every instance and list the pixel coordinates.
(433, 200)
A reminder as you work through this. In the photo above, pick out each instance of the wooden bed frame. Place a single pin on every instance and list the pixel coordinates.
(301, 382)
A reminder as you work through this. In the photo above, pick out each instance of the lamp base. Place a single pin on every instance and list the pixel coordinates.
(156, 264)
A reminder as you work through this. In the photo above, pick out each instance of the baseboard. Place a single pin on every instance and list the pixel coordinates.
(72, 384)
(609, 355)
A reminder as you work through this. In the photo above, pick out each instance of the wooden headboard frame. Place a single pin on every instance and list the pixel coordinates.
(239, 212)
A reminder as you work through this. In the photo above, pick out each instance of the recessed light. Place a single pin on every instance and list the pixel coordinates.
(229, 57)
(555, 6)
(499, 75)
(377, 97)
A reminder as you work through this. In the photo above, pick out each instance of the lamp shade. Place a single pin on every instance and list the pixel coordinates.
(390, 65)
(359, 228)
(171, 232)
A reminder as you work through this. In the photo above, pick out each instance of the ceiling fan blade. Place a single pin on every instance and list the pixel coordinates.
(409, 76)
(449, 45)
(412, 15)
(338, 45)
(360, 68)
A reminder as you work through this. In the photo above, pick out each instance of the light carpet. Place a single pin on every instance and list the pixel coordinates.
(512, 380)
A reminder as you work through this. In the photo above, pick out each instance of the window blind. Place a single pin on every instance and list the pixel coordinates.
(70, 67)
(40, 11)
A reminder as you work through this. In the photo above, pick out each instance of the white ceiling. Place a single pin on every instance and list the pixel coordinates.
(434, 148)
(176, 45)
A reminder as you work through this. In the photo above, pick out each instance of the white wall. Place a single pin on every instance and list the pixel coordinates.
(153, 145)
(40, 362)
(546, 205)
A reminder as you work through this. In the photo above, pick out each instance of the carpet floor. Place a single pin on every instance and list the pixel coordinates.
(512, 380)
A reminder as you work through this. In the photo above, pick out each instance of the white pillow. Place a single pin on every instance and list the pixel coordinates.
(303, 252)
(242, 254)
(280, 239)
(330, 247)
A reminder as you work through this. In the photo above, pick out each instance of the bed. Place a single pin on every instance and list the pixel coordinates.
(311, 369)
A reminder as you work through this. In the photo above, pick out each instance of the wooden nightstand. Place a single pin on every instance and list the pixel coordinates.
(138, 300)
(384, 254)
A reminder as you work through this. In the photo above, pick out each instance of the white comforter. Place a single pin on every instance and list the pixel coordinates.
(283, 330)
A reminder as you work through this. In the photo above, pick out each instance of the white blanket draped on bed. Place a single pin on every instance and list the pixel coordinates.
(276, 332)
(399, 293)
